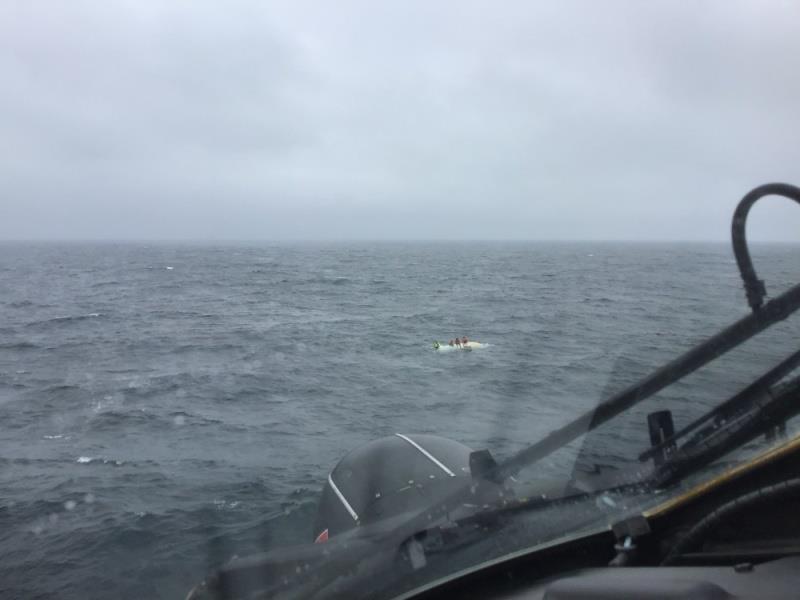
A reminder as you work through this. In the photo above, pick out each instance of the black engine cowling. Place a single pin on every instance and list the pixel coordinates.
(388, 477)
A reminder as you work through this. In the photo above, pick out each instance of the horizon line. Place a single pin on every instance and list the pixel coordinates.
(382, 241)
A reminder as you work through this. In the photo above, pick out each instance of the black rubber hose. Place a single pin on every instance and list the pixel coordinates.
(753, 286)
(697, 533)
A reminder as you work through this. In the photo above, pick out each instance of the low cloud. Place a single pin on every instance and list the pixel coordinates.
(576, 120)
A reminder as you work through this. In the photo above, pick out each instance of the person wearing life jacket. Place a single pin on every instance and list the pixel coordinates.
(451, 343)
(464, 341)
(458, 342)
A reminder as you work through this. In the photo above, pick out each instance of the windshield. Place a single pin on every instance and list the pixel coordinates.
(239, 244)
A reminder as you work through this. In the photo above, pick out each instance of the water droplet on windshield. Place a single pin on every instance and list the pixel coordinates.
(179, 420)
(70, 504)
(88, 498)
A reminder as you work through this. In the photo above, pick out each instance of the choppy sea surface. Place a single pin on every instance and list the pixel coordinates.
(165, 406)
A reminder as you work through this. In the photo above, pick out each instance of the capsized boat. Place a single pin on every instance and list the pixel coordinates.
(445, 347)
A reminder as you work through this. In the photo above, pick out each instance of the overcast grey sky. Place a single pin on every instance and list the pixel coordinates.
(412, 119)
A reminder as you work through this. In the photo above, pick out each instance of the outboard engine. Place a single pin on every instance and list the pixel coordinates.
(388, 477)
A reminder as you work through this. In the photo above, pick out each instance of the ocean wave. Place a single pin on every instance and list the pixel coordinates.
(21, 304)
(85, 460)
(106, 283)
(320, 281)
(63, 320)
(111, 419)
(25, 345)
(60, 387)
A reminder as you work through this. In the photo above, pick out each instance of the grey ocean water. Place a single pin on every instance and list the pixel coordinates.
(163, 407)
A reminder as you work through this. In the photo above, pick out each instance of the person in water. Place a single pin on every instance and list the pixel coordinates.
(451, 343)
(464, 341)
(458, 342)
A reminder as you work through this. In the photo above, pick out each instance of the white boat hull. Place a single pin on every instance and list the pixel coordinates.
(463, 347)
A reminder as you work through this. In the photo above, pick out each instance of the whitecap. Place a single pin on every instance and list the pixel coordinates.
(53, 437)
(84, 459)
